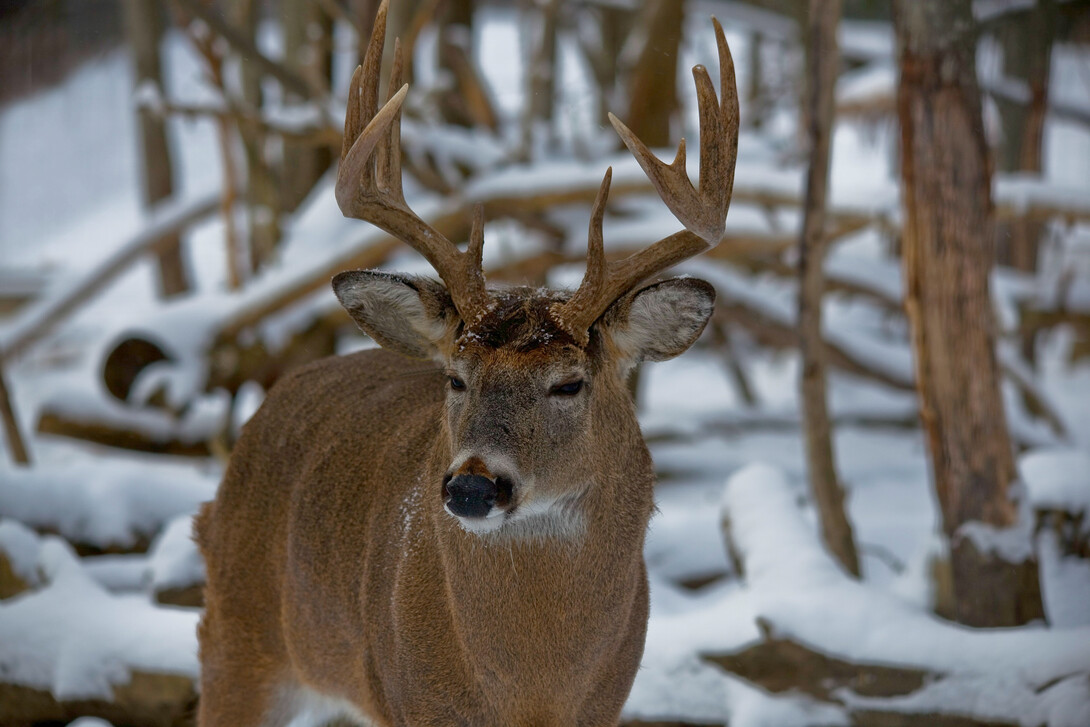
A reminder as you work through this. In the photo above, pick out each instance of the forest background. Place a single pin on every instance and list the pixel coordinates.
(874, 467)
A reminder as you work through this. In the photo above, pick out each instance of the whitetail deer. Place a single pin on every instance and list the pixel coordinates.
(406, 543)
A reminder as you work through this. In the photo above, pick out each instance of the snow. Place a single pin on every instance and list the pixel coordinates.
(77, 641)
(174, 561)
(88, 622)
(1057, 478)
(110, 504)
(797, 587)
(19, 546)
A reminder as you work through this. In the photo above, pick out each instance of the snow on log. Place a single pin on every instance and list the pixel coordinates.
(114, 504)
(1057, 479)
(175, 567)
(92, 416)
(840, 640)
(72, 649)
(18, 558)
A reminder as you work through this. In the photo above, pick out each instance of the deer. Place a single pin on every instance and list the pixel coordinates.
(449, 529)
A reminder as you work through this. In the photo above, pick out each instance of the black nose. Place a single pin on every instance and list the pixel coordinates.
(470, 495)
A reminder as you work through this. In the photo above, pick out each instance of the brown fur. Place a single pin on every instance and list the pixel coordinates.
(332, 564)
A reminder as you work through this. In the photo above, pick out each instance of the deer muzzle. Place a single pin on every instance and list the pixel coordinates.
(470, 495)
(472, 491)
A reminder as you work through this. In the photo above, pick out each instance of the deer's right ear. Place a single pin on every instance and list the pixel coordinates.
(404, 313)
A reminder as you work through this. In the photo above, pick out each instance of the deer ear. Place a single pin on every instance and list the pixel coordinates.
(403, 313)
(659, 321)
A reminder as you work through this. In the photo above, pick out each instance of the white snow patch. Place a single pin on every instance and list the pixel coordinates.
(1057, 478)
(77, 641)
(112, 502)
(174, 561)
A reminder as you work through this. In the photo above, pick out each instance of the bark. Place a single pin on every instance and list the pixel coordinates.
(781, 664)
(466, 101)
(1027, 55)
(754, 101)
(652, 85)
(308, 44)
(152, 699)
(107, 433)
(948, 254)
(144, 24)
(836, 530)
(540, 72)
(262, 196)
(601, 43)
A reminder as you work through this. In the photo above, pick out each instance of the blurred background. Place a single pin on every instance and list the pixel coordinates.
(874, 466)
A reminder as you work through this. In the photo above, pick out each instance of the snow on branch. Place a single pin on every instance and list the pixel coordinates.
(165, 221)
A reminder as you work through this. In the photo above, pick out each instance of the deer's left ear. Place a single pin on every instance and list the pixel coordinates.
(659, 321)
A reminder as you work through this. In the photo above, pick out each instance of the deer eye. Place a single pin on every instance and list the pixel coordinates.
(457, 384)
(571, 388)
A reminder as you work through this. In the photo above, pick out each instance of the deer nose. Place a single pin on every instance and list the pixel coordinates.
(470, 495)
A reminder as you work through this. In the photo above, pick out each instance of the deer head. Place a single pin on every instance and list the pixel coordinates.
(530, 372)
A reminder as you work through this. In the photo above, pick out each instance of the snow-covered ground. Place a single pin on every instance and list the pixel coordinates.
(68, 200)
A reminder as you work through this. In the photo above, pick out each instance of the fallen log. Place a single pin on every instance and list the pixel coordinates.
(781, 664)
(118, 434)
(148, 699)
(882, 660)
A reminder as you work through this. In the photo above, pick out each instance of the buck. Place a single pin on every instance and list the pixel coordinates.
(450, 531)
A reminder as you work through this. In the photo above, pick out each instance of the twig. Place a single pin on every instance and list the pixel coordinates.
(317, 135)
(11, 425)
(233, 246)
(290, 80)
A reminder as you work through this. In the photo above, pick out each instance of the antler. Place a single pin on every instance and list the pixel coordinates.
(702, 211)
(369, 179)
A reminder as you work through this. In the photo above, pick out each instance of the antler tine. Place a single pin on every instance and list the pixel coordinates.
(369, 179)
(388, 161)
(731, 116)
(476, 237)
(703, 212)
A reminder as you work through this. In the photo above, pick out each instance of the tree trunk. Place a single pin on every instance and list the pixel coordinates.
(540, 78)
(949, 234)
(825, 487)
(1027, 56)
(754, 99)
(653, 83)
(262, 195)
(144, 25)
(602, 45)
(308, 45)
